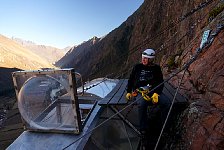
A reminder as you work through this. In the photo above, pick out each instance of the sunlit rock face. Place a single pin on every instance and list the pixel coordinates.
(157, 24)
(203, 123)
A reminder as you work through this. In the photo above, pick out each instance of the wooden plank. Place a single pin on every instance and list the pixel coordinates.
(81, 97)
(115, 99)
(119, 97)
(90, 98)
(116, 88)
(123, 97)
(106, 100)
(119, 94)
(123, 100)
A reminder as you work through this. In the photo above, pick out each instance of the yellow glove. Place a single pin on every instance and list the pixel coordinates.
(155, 98)
(128, 96)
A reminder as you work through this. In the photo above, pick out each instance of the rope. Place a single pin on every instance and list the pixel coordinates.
(100, 124)
(170, 26)
(186, 67)
(174, 74)
(171, 107)
(137, 99)
(180, 19)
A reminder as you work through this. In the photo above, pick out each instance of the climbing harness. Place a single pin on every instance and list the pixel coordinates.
(143, 91)
(211, 38)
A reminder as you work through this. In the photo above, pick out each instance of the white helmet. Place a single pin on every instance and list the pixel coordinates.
(148, 53)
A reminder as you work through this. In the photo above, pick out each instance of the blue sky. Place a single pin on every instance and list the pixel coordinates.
(62, 23)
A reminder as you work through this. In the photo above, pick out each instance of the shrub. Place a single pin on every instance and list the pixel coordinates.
(216, 11)
(171, 62)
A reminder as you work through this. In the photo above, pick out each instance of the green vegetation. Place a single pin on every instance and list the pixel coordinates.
(171, 62)
(216, 11)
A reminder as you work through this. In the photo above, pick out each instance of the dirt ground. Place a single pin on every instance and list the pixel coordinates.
(10, 120)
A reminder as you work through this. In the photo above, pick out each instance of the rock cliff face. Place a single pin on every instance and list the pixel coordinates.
(79, 55)
(174, 28)
(167, 26)
(202, 124)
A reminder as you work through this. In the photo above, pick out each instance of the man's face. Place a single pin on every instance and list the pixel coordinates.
(145, 61)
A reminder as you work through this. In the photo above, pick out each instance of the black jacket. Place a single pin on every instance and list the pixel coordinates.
(142, 75)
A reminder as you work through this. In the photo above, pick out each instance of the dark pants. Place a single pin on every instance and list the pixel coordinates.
(163, 104)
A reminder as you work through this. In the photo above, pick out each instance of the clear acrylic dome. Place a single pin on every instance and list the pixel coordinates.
(36, 95)
(47, 100)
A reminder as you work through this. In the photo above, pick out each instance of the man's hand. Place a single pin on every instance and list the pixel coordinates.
(128, 96)
(155, 98)
(134, 93)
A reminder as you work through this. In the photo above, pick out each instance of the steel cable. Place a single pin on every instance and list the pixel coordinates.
(174, 74)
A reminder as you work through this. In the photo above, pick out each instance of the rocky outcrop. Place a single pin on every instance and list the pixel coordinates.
(202, 127)
(79, 54)
(166, 26)
(202, 123)
(174, 28)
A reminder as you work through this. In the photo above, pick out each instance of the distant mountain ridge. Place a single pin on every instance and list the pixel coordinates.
(49, 53)
(14, 55)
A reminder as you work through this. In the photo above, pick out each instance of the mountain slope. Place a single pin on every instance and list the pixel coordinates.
(152, 25)
(13, 55)
(174, 29)
(49, 53)
(76, 53)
